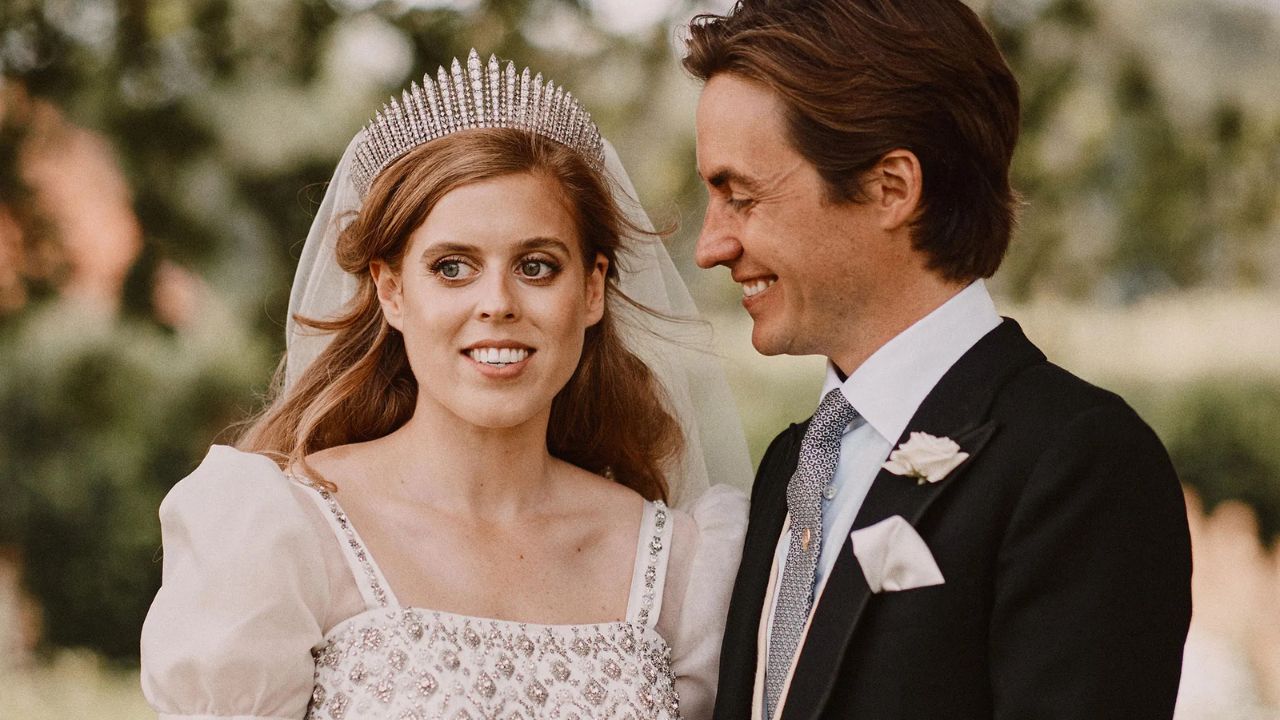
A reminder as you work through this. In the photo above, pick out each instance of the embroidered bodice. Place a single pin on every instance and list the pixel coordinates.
(271, 608)
(414, 664)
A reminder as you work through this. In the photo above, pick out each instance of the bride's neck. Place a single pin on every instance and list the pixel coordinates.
(439, 459)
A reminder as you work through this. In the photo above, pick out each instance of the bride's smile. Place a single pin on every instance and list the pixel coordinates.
(499, 358)
(493, 298)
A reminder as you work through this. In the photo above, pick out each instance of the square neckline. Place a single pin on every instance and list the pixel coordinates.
(644, 600)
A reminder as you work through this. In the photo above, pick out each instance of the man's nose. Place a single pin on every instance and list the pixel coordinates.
(718, 242)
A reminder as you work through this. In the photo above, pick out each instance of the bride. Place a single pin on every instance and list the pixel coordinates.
(455, 506)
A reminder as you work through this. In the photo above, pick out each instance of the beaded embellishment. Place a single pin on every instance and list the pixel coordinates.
(411, 663)
(362, 555)
(424, 664)
(651, 567)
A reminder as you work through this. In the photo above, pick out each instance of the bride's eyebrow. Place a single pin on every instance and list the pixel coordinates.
(544, 243)
(527, 245)
(448, 247)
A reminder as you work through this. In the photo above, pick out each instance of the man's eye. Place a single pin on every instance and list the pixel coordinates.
(739, 203)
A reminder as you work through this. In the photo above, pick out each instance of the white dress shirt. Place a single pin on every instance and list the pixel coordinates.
(886, 390)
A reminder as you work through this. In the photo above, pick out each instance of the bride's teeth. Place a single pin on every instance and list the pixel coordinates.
(498, 356)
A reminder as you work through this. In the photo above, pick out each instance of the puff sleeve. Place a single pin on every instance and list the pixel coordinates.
(229, 634)
(706, 548)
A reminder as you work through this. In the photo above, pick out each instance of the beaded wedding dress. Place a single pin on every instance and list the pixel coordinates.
(411, 663)
(273, 608)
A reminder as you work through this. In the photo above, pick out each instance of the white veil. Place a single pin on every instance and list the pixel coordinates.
(679, 351)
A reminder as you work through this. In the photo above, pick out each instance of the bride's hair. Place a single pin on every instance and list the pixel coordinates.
(610, 418)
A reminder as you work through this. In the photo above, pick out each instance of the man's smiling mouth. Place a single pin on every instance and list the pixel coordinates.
(755, 287)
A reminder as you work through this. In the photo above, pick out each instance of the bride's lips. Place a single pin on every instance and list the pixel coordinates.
(513, 356)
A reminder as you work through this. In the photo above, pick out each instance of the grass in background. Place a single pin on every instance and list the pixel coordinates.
(75, 684)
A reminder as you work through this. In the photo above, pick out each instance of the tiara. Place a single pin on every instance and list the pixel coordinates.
(484, 98)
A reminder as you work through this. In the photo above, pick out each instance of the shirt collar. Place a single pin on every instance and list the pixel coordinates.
(888, 388)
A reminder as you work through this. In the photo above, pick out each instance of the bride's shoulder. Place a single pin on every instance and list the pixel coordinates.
(232, 481)
(246, 589)
(596, 492)
(243, 516)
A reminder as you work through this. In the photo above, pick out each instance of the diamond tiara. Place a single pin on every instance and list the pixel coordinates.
(485, 97)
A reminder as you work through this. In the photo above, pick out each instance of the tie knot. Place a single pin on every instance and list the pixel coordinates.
(833, 414)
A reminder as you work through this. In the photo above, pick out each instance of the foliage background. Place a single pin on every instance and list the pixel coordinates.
(1150, 165)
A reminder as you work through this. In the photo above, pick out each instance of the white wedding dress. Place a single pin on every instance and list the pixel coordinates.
(271, 607)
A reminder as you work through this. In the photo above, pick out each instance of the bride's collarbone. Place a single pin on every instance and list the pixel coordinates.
(556, 568)
(531, 582)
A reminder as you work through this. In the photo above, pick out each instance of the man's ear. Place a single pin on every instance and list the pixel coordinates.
(390, 291)
(896, 186)
(596, 279)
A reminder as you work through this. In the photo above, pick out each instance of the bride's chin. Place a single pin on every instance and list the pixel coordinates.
(498, 413)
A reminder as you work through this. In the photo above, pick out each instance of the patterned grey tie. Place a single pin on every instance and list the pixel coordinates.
(819, 451)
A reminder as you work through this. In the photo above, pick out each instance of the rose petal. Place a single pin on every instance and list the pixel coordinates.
(897, 466)
(942, 468)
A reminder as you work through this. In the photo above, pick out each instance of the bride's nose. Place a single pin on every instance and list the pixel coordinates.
(498, 302)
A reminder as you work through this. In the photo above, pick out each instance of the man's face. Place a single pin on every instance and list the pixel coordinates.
(808, 268)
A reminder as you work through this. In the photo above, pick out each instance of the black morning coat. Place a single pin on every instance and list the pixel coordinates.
(1064, 546)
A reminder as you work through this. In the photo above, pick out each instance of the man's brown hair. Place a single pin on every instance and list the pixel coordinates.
(860, 78)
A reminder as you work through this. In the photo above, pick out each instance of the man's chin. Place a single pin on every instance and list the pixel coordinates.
(771, 339)
(768, 343)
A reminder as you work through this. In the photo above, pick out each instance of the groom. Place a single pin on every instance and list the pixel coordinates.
(963, 529)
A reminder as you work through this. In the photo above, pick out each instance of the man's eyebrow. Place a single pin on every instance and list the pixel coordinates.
(724, 176)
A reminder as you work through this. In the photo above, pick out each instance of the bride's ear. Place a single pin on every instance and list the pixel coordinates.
(390, 291)
(596, 280)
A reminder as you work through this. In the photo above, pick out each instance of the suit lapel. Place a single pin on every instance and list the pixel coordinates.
(957, 408)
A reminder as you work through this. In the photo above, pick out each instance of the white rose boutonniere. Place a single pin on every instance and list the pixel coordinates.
(925, 458)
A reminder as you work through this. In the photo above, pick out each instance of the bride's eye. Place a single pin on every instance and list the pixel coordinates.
(452, 269)
(538, 269)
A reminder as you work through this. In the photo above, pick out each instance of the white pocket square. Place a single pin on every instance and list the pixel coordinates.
(894, 557)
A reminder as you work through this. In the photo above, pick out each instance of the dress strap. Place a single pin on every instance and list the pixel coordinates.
(653, 548)
(368, 576)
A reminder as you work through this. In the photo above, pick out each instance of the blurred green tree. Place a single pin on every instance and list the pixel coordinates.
(100, 418)
(1132, 188)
